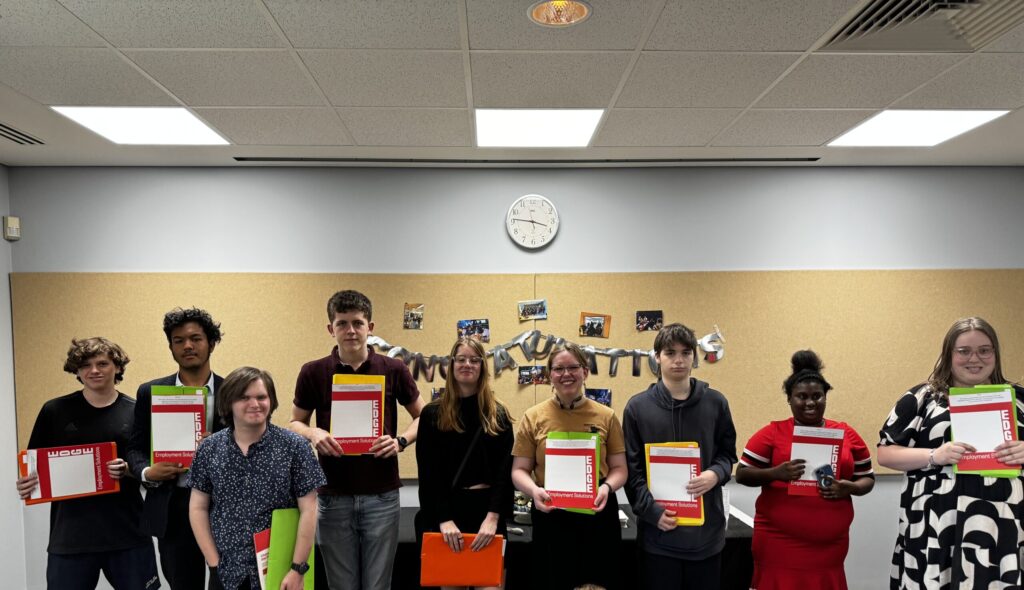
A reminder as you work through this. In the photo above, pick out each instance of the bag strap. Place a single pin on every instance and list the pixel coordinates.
(465, 457)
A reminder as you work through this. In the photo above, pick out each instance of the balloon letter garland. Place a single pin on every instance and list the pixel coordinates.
(529, 343)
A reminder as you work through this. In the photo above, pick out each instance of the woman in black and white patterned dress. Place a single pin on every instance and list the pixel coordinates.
(955, 531)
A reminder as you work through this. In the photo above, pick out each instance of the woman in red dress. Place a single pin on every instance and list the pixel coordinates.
(802, 540)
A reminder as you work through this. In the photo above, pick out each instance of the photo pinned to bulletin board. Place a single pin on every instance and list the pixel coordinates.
(649, 321)
(533, 309)
(601, 396)
(597, 325)
(475, 329)
(436, 393)
(533, 375)
(413, 319)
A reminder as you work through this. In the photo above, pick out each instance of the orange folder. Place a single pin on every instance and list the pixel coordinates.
(440, 566)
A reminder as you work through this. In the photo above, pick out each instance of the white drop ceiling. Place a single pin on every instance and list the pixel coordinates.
(395, 82)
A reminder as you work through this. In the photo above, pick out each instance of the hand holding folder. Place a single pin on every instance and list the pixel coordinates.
(440, 566)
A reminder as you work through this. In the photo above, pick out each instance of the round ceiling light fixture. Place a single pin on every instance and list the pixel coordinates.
(559, 13)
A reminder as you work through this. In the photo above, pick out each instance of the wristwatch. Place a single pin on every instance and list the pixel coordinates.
(302, 568)
(402, 443)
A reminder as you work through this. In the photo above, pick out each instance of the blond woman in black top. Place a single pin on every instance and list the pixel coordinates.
(463, 452)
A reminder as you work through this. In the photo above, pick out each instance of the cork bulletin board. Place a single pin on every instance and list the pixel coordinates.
(878, 332)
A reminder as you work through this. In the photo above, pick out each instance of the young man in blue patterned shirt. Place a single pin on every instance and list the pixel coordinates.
(241, 474)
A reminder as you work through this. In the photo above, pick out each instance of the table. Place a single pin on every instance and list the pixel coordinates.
(737, 562)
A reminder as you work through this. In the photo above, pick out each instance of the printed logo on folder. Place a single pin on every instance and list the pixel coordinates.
(572, 469)
(818, 447)
(984, 417)
(177, 420)
(670, 467)
(69, 472)
(357, 412)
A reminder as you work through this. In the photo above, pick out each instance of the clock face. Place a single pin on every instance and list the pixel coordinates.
(532, 221)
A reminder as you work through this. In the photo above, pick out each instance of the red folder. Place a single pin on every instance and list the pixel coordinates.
(440, 566)
(69, 472)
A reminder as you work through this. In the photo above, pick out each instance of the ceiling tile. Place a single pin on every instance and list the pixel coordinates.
(546, 80)
(77, 76)
(663, 127)
(181, 23)
(230, 78)
(1011, 42)
(504, 24)
(985, 81)
(408, 127)
(670, 79)
(278, 126)
(389, 78)
(758, 128)
(742, 25)
(43, 23)
(358, 24)
(855, 81)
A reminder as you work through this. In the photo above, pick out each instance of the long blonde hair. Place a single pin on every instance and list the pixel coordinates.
(488, 404)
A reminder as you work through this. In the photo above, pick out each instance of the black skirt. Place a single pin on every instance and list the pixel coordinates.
(572, 549)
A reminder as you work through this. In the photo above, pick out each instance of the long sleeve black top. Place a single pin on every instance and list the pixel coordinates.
(439, 453)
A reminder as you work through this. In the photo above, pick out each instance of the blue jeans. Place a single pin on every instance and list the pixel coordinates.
(358, 536)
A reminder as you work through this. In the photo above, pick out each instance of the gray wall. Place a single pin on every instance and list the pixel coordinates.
(12, 555)
(437, 221)
(416, 220)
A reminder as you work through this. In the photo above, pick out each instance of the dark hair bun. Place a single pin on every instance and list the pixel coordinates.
(806, 360)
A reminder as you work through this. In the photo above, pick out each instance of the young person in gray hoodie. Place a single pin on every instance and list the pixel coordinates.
(679, 408)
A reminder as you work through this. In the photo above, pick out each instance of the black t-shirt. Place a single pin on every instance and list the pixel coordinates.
(108, 522)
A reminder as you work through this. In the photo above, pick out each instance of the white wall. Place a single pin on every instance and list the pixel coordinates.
(436, 221)
(12, 550)
(444, 220)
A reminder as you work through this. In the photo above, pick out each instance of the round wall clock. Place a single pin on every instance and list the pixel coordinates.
(532, 221)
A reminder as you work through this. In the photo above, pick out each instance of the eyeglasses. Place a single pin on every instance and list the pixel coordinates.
(983, 352)
(468, 360)
(565, 369)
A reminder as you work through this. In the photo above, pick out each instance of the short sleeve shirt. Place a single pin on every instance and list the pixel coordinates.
(771, 446)
(360, 474)
(532, 431)
(109, 522)
(246, 489)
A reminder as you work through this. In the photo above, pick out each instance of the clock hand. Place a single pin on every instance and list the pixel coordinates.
(529, 220)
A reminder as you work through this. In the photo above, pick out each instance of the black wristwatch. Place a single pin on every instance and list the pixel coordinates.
(402, 443)
(302, 568)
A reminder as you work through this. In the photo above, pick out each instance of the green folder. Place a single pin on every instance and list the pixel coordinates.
(597, 459)
(953, 391)
(284, 527)
(158, 390)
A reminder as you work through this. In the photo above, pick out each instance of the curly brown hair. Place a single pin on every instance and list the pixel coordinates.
(83, 350)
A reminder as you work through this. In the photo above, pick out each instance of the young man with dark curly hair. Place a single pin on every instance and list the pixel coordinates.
(192, 335)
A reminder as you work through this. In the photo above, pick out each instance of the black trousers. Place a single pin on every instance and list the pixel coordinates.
(571, 549)
(180, 558)
(669, 573)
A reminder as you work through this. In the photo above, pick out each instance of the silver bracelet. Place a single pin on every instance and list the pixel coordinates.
(931, 459)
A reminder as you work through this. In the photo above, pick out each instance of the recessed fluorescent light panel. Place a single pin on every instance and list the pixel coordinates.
(536, 127)
(904, 128)
(144, 125)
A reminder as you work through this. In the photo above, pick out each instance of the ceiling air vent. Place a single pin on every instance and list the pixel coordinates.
(927, 25)
(18, 137)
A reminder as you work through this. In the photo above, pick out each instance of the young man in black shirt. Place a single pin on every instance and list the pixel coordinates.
(94, 533)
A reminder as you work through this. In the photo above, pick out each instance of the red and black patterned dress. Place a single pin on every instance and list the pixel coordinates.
(801, 541)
